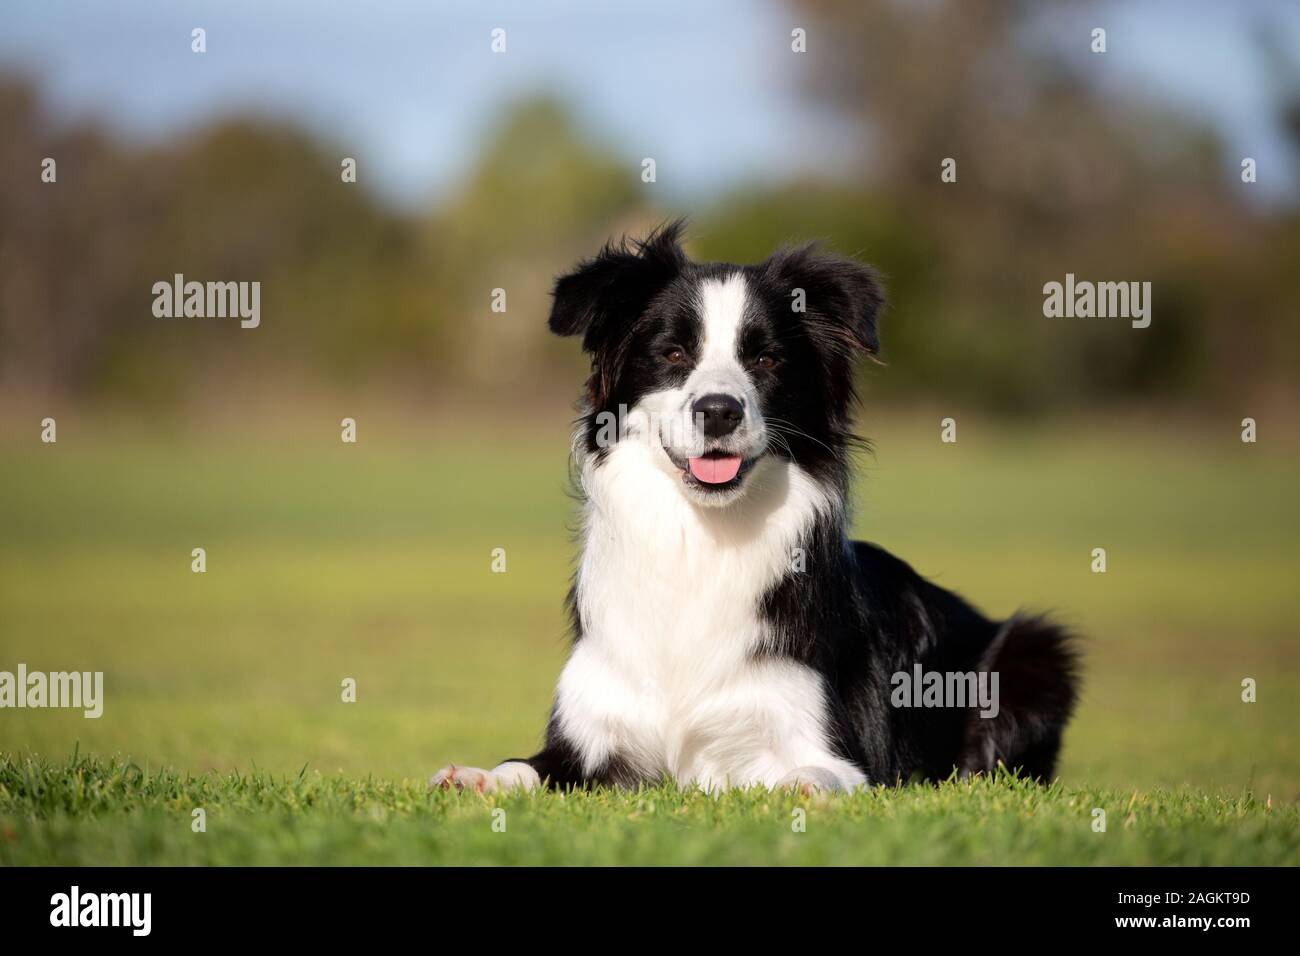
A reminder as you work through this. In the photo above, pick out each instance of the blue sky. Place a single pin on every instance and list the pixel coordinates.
(409, 86)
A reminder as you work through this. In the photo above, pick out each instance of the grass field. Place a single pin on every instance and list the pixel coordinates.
(92, 812)
(327, 561)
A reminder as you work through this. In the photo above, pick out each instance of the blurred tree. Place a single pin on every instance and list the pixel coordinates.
(542, 193)
(1056, 173)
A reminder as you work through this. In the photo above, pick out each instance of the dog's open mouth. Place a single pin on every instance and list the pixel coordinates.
(714, 470)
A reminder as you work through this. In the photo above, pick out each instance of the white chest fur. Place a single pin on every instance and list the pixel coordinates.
(665, 676)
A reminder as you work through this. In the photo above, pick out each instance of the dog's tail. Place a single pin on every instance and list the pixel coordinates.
(1037, 664)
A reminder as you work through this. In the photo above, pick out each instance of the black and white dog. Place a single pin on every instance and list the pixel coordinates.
(726, 632)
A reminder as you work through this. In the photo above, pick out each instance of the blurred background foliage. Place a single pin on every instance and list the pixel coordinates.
(1055, 175)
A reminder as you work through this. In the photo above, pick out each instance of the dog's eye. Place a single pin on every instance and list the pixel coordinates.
(765, 361)
(674, 355)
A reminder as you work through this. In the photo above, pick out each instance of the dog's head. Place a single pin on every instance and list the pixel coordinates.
(719, 365)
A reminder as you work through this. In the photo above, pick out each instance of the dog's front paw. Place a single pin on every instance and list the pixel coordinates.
(452, 777)
(810, 780)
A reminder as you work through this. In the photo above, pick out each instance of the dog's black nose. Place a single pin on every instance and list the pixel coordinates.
(721, 414)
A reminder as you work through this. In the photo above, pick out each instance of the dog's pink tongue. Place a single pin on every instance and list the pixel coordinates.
(715, 471)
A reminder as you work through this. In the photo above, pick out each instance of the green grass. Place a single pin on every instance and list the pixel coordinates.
(85, 811)
(372, 561)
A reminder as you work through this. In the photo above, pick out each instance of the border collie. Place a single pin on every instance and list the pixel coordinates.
(726, 631)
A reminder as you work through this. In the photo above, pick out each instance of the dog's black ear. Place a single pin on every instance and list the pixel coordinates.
(842, 297)
(610, 290)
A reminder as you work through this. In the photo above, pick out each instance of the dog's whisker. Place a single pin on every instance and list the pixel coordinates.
(788, 428)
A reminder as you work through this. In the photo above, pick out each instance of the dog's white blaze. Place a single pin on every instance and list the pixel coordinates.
(718, 368)
(665, 675)
(722, 311)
